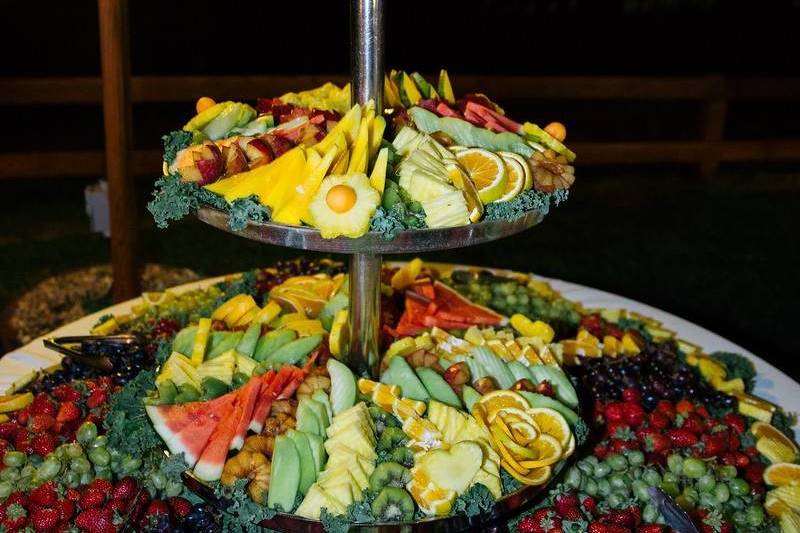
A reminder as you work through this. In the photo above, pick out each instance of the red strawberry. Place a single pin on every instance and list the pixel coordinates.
(73, 495)
(656, 442)
(693, 423)
(527, 525)
(636, 513)
(22, 415)
(714, 444)
(91, 498)
(684, 407)
(621, 517)
(619, 430)
(68, 412)
(22, 442)
(658, 420)
(614, 412)
(101, 484)
(713, 522)
(15, 516)
(754, 473)
(666, 408)
(566, 505)
(742, 460)
(180, 506)
(634, 414)
(44, 519)
(615, 528)
(597, 527)
(65, 393)
(65, 509)
(542, 520)
(44, 495)
(601, 450)
(96, 398)
(156, 507)
(735, 421)
(8, 430)
(619, 445)
(702, 411)
(632, 394)
(650, 528)
(729, 458)
(41, 423)
(96, 521)
(43, 405)
(125, 489)
(733, 441)
(43, 443)
(681, 438)
(118, 506)
(589, 505)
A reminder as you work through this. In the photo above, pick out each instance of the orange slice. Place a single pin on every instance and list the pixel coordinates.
(548, 451)
(535, 477)
(500, 399)
(781, 474)
(486, 170)
(551, 422)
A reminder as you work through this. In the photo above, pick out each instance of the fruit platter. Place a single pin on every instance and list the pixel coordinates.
(500, 402)
(314, 160)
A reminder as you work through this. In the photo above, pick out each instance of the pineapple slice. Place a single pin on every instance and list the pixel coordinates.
(344, 205)
(446, 211)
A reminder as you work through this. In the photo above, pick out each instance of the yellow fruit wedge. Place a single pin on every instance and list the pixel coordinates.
(390, 93)
(378, 177)
(790, 522)
(552, 423)
(340, 334)
(774, 505)
(548, 451)
(223, 186)
(340, 164)
(493, 401)
(409, 94)
(523, 163)
(445, 89)
(268, 313)
(455, 468)
(296, 210)
(262, 180)
(200, 341)
(790, 494)
(530, 328)
(376, 129)
(288, 182)
(515, 181)
(775, 451)
(345, 127)
(781, 474)
(358, 157)
(538, 476)
(15, 402)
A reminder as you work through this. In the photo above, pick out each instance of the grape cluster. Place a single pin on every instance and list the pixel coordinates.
(658, 373)
(201, 519)
(510, 296)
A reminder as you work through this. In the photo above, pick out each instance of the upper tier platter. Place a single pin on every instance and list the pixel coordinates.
(413, 241)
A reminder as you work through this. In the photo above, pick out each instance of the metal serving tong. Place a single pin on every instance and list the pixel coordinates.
(72, 347)
(674, 516)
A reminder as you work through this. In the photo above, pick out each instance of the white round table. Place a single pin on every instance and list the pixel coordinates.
(771, 383)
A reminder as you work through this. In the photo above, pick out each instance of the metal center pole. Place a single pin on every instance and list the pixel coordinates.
(366, 69)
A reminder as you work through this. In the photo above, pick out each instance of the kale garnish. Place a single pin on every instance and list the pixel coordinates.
(784, 421)
(127, 425)
(523, 203)
(173, 199)
(103, 318)
(243, 210)
(173, 466)
(163, 351)
(510, 484)
(174, 142)
(476, 500)
(244, 284)
(581, 432)
(332, 523)
(627, 324)
(242, 514)
(738, 366)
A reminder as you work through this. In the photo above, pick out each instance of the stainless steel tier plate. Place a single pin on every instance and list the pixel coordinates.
(413, 241)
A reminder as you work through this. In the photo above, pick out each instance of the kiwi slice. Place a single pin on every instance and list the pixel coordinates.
(383, 419)
(391, 438)
(393, 504)
(389, 474)
(402, 455)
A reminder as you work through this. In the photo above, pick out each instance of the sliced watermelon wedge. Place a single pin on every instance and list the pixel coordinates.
(267, 396)
(187, 428)
(248, 396)
(212, 460)
(454, 304)
(298, 375)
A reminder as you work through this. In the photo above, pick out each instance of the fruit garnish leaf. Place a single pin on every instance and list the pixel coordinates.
(334, 524)
(174, 142)
(510, 484)
(476, 500)
(784, 421)
(243, 514)
(244, 210)
(523, 203)
(737, 366)
(127, 425)
(581, 432)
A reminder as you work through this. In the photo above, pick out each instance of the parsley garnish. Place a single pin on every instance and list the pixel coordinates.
(127, 425)
(476, 500)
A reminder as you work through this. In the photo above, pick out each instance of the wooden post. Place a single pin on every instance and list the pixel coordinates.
(713, 126)
(117, 118)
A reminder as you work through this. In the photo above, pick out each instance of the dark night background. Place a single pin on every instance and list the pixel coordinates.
(720, 251)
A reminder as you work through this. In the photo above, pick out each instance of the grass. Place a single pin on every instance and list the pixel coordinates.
(722, 253)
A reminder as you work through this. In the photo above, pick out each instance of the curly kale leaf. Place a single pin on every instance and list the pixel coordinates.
(127, 425)
(173, 199)
(332, 523)
(737, 366)
(521, 204)
(510, 484)
(785, 422)
(396, 219)
(244, 284)
(174, 142)
(242, 514)
(163, 351)
(581, 432)
(244, 210)
(476, 500)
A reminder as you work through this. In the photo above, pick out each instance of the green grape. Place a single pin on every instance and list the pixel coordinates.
(669, 477)
(694, 468)
(591, 487)
(603, 487)
(602, 469)
(675, 464)
(635, 457)
(707, 483)
(755, 515)
(739, 487)
(651, 477)
(618, 462)
(722, 493)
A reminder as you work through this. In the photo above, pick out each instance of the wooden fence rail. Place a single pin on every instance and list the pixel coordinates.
(713, 93)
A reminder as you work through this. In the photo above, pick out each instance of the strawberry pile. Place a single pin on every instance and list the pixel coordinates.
(570, 511)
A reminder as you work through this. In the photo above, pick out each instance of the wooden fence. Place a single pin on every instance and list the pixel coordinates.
(712, 93)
